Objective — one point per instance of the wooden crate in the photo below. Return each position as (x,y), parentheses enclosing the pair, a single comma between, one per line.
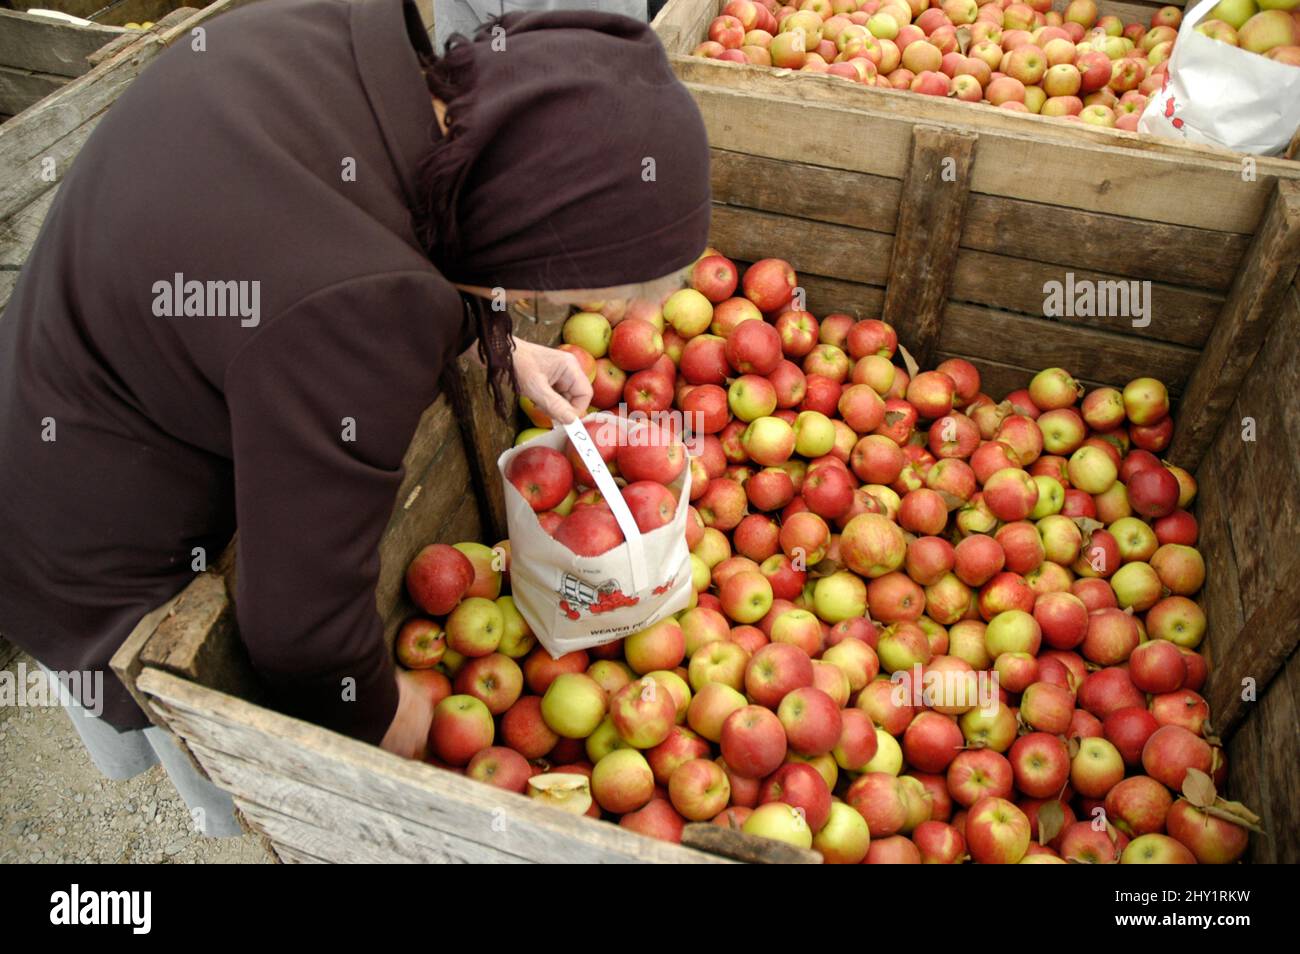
(38,54)
(828,176)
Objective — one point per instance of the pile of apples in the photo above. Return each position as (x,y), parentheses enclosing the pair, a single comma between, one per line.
(926,625)
(1019,55)
(1269,27)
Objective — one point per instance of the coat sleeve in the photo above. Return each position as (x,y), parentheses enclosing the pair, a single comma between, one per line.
(323,403)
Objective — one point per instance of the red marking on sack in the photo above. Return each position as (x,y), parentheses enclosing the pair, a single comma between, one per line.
(612,600)
(1169,112)
(665,587)
(568,610)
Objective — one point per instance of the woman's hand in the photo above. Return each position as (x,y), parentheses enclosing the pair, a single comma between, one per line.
(553,380)
(408,733)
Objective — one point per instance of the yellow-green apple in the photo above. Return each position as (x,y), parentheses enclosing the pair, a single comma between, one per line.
(839,596)
(996,831)
(1097,114)
(722,661)
(776,670)
(780,822)
(799,628)
(1268,29)
(1091,470)
(710,707)
(1096,768)
(420,644)
(1213,840)
(1145,401)
(461,727)
(1047,707)
(966,642)
(889,755)
(603,740)
(746,596)
(474,627)
(573,705)
(1134,539)
(589,331)
(1136,585)
(751,397)
(845,838)
(753,741)
(661,646)
(903,646)
(501,767)
(702,625)
(1156,849)
(992,727)
(1013,631)
(1178,620)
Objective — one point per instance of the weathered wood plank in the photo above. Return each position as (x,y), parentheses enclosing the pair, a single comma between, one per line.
(826,295)
(1268,639)
(1257,295)
(750,849)
(752,109)
(1177,315)
(837,196)
(682,24)
(930,214)
(1174,254)
(46,45)
(21,88)
(816,248)
(410,790)
(1091,355)
(435,503)
(18,232)
(1279,716)
(1221,595)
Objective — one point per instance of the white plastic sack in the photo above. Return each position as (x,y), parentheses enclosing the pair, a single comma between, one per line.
(574,602)
(1220,95)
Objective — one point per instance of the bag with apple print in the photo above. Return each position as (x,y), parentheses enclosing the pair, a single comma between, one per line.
(574,602)
(1222,95)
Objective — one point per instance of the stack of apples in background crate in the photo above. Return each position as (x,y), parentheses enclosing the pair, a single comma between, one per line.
(926,625)
(1022,56)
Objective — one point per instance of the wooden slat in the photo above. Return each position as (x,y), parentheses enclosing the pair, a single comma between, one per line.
(484,433)
(18,232)
(682,24)
(1089,240)
(814,248)
(1267,641)
(1221,595)
(837,196)
(1246,785)
(1091,355)
(1278,717)
(826,295)
(930,214)
(1177,315)
(754,109)
(21,88)
(418,793)
(46,45)
(750,849)
(1257,295)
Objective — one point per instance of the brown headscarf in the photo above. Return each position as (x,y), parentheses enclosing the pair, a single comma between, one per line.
(573,159)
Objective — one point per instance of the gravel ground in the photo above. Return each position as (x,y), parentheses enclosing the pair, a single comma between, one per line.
(56,807)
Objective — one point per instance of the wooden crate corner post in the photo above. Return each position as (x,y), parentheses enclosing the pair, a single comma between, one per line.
(930,214)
